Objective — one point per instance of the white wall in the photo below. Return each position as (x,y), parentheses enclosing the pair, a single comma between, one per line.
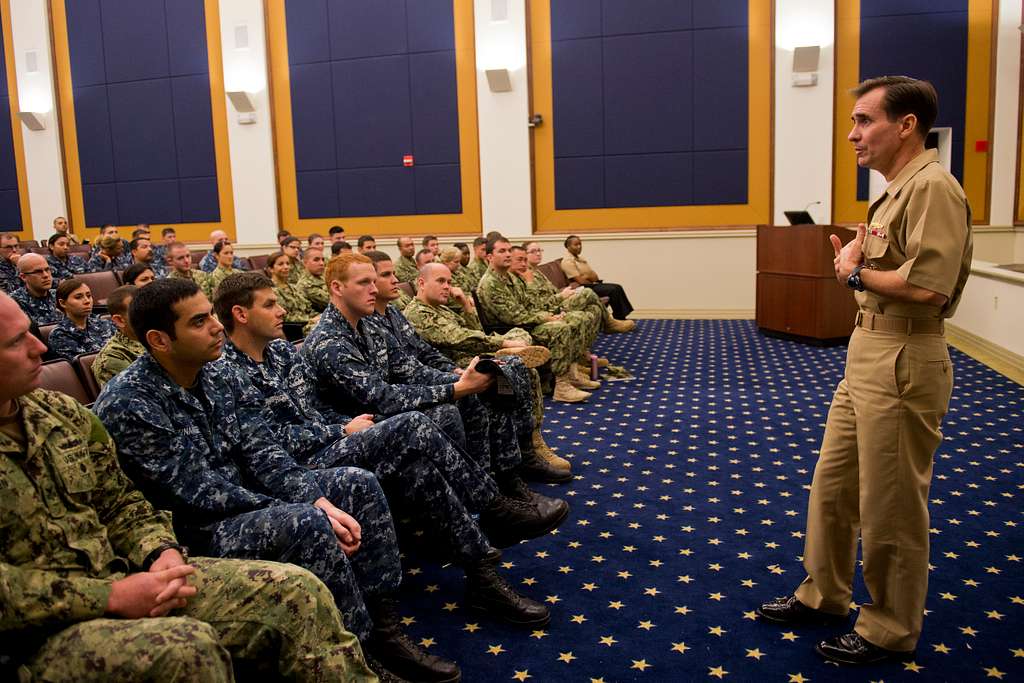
(803,115)
(44,162)
(1004,136)
(991,307)
(252,151)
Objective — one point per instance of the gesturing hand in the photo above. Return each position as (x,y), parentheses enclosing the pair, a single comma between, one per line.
(359,423)
(345,526)
(850,256)
(150,594)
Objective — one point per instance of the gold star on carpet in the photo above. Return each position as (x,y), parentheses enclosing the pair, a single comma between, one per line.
(912,666)
(413,571)
(684,610)
(1017,600)
(597,558)
(971,582)
(994,615)
(717,631)
(653,592)
(715,596)
(1018,652)
(646,625)
(943,648)
(566,657)
(755,653)
(596,680)
(578,619)
(432,588)
(748,583)
(565,569)
(1013,558)
(968,631)
(994,673)
(714,566)
(947,596)
(538,634)
(797,678)
(450,606)
(684,579)
(522,675)
(541,554)
(681,648)
(640,664)
(615,604)
(589,587)
(472,628)
(408,621)
(495,650)
(752,615)
(624,575)
(654,563)
(607,640)
(717,671)
(790,636)
(553,599)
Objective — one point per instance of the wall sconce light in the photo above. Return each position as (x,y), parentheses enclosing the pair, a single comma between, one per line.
(498,80)
(244,104)
(805,66)
(33,120)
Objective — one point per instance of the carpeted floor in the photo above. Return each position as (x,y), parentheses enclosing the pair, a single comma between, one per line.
(688,510)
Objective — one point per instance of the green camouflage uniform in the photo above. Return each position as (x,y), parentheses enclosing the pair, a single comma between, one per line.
(464,280)
(197,276)
(460,336)
(118,353)
(402,301)
(547,297)
(297,270)
(314,289)
(215,278)
(297,308)
(474,271)
(406,270)
(506,301)
(74,524)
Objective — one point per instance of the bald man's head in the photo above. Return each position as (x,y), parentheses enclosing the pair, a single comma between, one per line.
(434,285)
(20,353)
(217,236)
(30,262)
(35,273)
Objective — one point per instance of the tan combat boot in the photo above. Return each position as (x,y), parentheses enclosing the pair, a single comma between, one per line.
(614,325)
(545,453)
(532,356)
(565,392)
(581,381)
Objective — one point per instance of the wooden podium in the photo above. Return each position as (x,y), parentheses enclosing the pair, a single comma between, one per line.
(798,296)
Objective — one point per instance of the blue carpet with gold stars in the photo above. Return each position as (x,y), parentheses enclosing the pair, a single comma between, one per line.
(688,510)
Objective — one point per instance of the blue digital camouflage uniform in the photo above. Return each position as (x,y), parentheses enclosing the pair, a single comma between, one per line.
(41,310)
(350,371)
(209,263)
(119,262)
(408,453)
(9,279)
(517,423)
(65,268)
(74,524)
(207,456)
(69,342)
(158,266)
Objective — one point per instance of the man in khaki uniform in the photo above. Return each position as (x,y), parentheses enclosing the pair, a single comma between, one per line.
(909,267)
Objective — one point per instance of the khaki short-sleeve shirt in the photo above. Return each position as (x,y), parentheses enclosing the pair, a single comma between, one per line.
(921,228)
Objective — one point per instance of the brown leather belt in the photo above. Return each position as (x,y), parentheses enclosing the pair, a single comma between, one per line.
(888,323)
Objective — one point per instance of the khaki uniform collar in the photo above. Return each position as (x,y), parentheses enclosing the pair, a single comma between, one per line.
(910,170)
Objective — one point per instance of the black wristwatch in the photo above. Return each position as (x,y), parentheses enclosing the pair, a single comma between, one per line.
(854,281)
(159,550)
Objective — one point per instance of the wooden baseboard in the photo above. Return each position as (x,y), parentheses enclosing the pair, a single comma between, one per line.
(692,314)
(1001,360)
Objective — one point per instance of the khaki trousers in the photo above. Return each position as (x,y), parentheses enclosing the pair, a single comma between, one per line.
(873,477)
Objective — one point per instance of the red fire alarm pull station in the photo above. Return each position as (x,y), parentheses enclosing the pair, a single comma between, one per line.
(981,145)
(407,160)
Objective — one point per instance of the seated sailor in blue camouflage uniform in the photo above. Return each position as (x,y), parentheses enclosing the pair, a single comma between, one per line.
(521,415)
(93,582)
(349,365)
(190,433)
(37,298)
(414,461)
(64,264)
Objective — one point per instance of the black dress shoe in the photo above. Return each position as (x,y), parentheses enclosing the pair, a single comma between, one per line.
(509,520)
(486,590)
(396,652)
(789,610)
(535,469)
(850,648)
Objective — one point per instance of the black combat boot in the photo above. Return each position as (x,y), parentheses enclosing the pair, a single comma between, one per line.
(397,653)
(513,486)
(509,520)
(486,590)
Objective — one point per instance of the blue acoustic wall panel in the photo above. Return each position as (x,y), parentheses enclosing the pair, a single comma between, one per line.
(370,83)
(10,197)
(650,102)
(932,46)
(141,86)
